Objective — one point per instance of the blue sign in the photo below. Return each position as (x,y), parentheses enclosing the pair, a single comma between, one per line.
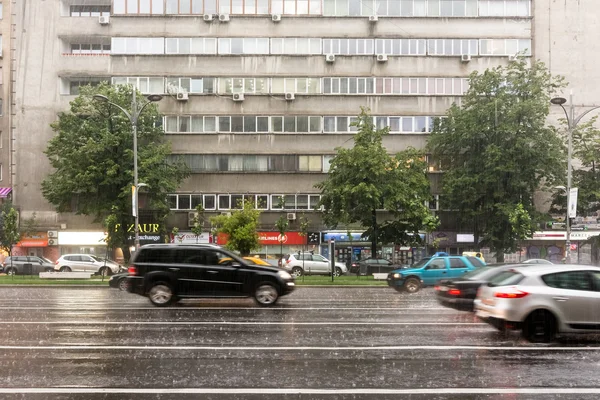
(343,237)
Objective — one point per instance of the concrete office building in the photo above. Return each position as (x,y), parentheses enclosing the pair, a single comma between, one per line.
(260,92)
(6,73)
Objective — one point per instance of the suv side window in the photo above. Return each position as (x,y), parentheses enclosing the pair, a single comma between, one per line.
(475,261)
(73,258)
(371,261)
(438,263)
(573,280)
(189,256)
(384,262)
(457,263)
(153,255)
(317,257)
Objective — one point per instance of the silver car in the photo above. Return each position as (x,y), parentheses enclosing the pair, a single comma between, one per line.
(87,263)
(299,264)
(542,300)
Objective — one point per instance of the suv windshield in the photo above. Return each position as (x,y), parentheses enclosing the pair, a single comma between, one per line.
(421,263)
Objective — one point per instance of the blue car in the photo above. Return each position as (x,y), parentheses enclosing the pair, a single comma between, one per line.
(430,270)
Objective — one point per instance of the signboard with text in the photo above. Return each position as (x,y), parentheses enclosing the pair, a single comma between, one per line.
(269,238)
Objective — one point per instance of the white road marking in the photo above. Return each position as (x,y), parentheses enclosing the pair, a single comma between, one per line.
(300,348)
(415,391)
(80,308)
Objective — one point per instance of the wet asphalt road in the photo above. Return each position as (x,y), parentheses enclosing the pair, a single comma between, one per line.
(317,343)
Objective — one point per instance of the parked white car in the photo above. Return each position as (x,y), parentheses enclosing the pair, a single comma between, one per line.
(299,264)
(542,300)
(87,263)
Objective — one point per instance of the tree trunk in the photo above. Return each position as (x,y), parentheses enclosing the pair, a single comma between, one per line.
(500,256)
(126,253)
(375,233)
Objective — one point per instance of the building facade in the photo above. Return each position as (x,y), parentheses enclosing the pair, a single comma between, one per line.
(259,93)
(6,88)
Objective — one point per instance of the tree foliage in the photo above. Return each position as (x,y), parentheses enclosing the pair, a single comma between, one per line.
(198,227)
(365,178)
(9,228)
(496,149)
(586,149)
(92,158)
(240,227)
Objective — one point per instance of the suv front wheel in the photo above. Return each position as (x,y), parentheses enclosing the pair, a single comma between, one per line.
(412,285)
(161,294)
(266,294)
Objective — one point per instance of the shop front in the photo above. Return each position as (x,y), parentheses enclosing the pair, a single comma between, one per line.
(274,245)
(191,238)
(82,242)
(38,244)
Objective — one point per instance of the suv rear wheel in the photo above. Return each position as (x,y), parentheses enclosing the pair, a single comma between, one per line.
(338,272)
(65,269)
(297,271)
(161,294)
(266,294)
(11,271)
(105,271)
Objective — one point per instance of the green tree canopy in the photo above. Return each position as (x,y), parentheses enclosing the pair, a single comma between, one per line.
(9,228)
(92,157)
(496,150)
(240,227)
(365,178)
(586,149)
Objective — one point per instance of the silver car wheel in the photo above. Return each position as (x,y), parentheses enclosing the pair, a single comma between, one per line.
(297,272)
(266,295)
(11,271)
(338,272)
(160,294)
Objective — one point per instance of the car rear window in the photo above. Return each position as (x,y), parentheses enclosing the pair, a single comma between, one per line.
(475,261)
(506,278)
(154,256)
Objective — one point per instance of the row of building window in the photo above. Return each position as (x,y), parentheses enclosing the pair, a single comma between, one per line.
(333,85)
(275,202)
(253,163)
(392,8)
(315,46)
(89,48)
(176,124)
(225,202)
(89,11)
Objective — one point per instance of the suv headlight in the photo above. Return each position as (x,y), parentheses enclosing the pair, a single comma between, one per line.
(284,275)
(397,275)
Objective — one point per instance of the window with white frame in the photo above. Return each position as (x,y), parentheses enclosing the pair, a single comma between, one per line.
(190,124)
(296,46)
(504,8)
(89,11)
(227,201)
(75,83)
(401,47)
(189,7)
(145,84)
(244,85)
(310,163)
(251,7)
(396,86)
(239,46)
(295,124)
(138,7)
(135,45)
(210,163)
(296,7)
(1,10)
(452,47)
(190,85)
(195,45)
(296,85)
(452,8)
(504,47)
(401,8)
(90,48)
(348,46)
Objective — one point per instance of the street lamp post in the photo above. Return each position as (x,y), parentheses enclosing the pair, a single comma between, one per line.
(572,122)
(133,119)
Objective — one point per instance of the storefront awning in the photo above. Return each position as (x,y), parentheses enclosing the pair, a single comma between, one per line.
(5,191)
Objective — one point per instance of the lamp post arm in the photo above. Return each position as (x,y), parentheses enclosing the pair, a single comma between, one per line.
(139,112)
(566,116)
(120,108)
(584,114)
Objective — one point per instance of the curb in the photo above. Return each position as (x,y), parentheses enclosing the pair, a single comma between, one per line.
(108,287)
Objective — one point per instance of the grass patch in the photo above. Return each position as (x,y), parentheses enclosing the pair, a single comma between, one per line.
(36,280)
(352,280)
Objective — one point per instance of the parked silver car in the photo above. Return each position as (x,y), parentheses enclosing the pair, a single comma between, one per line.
(299,264)
(16,265)
(542,300)
(87,263)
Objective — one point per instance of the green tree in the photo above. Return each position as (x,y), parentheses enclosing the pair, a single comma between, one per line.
(9,230)
(365,179)
(282,224)
(496,150)
(92,157)
(240,227)
(586,148)
(198,221)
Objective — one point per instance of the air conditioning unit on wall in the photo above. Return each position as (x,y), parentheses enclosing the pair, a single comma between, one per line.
(382,57)
(290,96)
(291,216)
(224,17)
(208,17)
(238,97)
(182,96)
(104,20)
(52,242)
(465,58)
(276,17)
(192,215)
(53,234)
(330,58)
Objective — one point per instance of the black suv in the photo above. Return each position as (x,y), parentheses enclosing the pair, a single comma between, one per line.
(16,265)
(169,272)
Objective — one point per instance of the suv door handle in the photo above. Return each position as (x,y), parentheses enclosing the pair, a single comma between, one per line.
(557,298)
(174,269)
(212,272)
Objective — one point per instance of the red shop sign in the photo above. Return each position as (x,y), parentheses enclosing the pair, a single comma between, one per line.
(266,238)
